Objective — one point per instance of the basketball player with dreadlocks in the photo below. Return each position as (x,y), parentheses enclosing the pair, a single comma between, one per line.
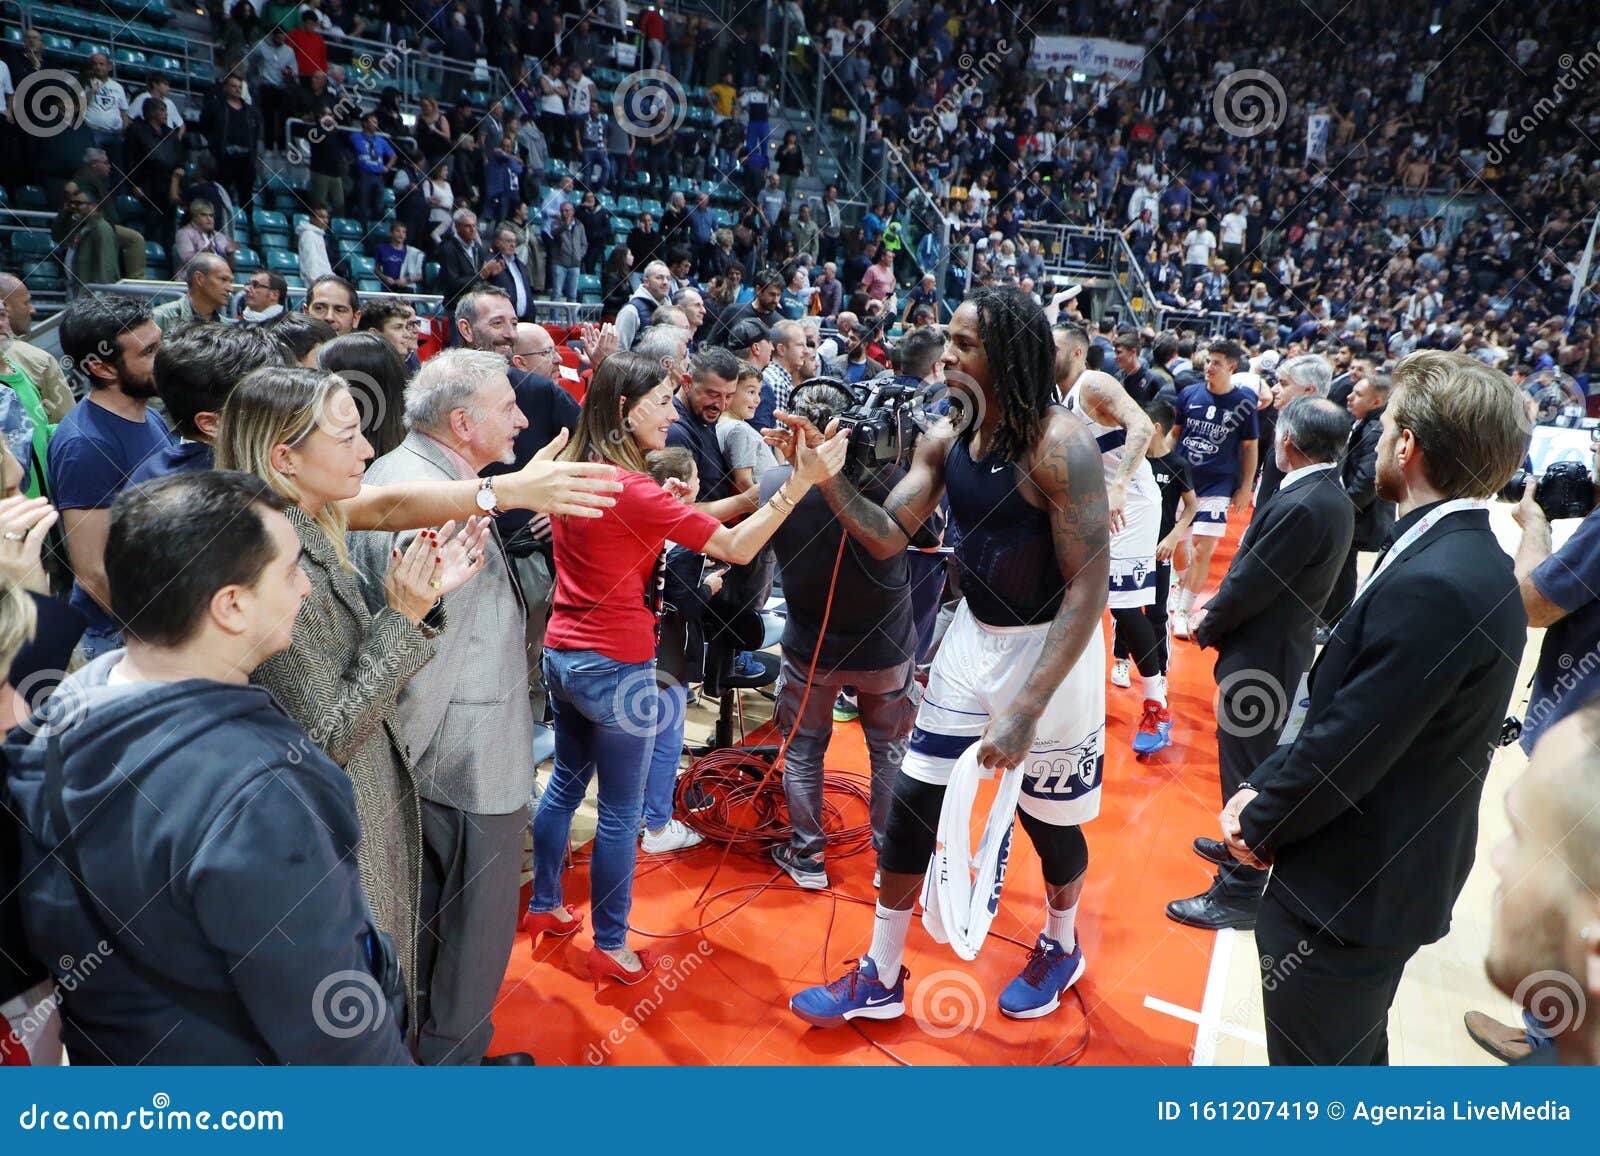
(1021,671)
(1122,431)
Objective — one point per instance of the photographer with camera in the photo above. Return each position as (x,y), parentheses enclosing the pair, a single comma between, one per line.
(869,644)
(1558,591)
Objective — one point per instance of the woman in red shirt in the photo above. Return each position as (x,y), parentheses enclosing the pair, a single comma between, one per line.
(599,657)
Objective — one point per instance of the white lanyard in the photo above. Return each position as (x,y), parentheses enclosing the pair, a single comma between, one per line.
(1301,706)
(1409,538)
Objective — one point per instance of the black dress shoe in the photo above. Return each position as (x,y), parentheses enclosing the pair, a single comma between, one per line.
(510,1060)
(1213,911)
(1212,851)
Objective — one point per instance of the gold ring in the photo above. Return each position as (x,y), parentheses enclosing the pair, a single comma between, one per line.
(437,585)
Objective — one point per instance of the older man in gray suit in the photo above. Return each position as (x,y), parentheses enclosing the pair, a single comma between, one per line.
(466,716)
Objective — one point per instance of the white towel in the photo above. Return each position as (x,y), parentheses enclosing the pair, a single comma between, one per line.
(962,890)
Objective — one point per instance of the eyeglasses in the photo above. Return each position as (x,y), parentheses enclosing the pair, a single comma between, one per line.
(551,352)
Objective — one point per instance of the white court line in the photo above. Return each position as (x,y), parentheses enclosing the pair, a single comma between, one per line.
(1209,1025)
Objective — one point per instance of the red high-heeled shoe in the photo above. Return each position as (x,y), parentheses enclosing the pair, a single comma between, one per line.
(602,966)
(538,923)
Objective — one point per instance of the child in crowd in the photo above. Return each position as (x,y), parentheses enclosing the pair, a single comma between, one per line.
(680,652)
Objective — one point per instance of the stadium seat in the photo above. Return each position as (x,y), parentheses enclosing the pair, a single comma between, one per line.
(282,261)
(128,207)
(364,267)
(369,285)
(32,197)
(349,249)
(588,283)
(266,241)
(430,272)
(155,253)
(266,220)
(629,205)
(294,281)
(130,62)
(246,259)
(31,244)
(348,229)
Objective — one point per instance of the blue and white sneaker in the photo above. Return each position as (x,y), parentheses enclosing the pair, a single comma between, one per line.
(1050,970)
(855,995)
(1155,729)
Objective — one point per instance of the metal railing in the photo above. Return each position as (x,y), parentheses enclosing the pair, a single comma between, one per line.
(193,77)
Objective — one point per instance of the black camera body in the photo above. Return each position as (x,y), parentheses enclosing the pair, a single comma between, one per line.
(882,425)
(1564,491)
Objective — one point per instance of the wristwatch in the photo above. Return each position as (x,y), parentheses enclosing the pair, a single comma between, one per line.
(487,501)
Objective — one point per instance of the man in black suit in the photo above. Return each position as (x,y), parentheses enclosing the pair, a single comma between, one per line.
(1261,622)
(1344,355)
(463,259)
(1359,474)
(514,277)
(1368,809)
(1304,376)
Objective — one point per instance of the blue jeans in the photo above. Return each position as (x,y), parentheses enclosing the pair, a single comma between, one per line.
(597,704)
(663,777)
(566,283)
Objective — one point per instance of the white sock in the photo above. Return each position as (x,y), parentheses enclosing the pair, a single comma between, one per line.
(889,930)
(1058,925)
(1155,687)
(1185,600)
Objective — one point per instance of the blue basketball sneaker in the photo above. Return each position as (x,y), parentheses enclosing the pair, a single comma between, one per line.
(1050,970)
(855,995)
(1155,729)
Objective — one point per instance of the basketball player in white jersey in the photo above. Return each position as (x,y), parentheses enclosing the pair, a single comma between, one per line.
(1123,431)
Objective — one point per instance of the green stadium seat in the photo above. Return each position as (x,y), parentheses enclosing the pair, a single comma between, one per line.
(282,261)
(266,241)
(369,285)
(266,220)
(588,283)
(32,197)
(364,267)
(347,229)
(31,244)
(128,207)
(155,253)
(246,259)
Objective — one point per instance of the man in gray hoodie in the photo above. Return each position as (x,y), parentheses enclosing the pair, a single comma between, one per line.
(180,829)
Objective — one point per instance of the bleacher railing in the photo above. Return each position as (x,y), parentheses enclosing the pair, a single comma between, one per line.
(136,49)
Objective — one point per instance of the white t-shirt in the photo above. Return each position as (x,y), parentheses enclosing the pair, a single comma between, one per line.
(836,38)
(6,88)
(1198,247)
(1497,122)
(580,97)
(1233,226)
(136,109)
(864,28)
(107,102)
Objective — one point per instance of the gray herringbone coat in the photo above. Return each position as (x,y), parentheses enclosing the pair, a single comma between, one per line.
(339,680)
(465,715)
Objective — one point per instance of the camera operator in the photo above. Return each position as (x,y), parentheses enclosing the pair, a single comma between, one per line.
(870,644)
(1558,591)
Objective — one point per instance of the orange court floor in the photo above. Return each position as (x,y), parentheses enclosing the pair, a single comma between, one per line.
(729,964)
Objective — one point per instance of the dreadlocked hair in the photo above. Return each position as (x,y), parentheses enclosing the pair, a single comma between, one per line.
(1022,358)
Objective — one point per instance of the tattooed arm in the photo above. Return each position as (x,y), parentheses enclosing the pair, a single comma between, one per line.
(887,529)
(1066,470)
(1109,404)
